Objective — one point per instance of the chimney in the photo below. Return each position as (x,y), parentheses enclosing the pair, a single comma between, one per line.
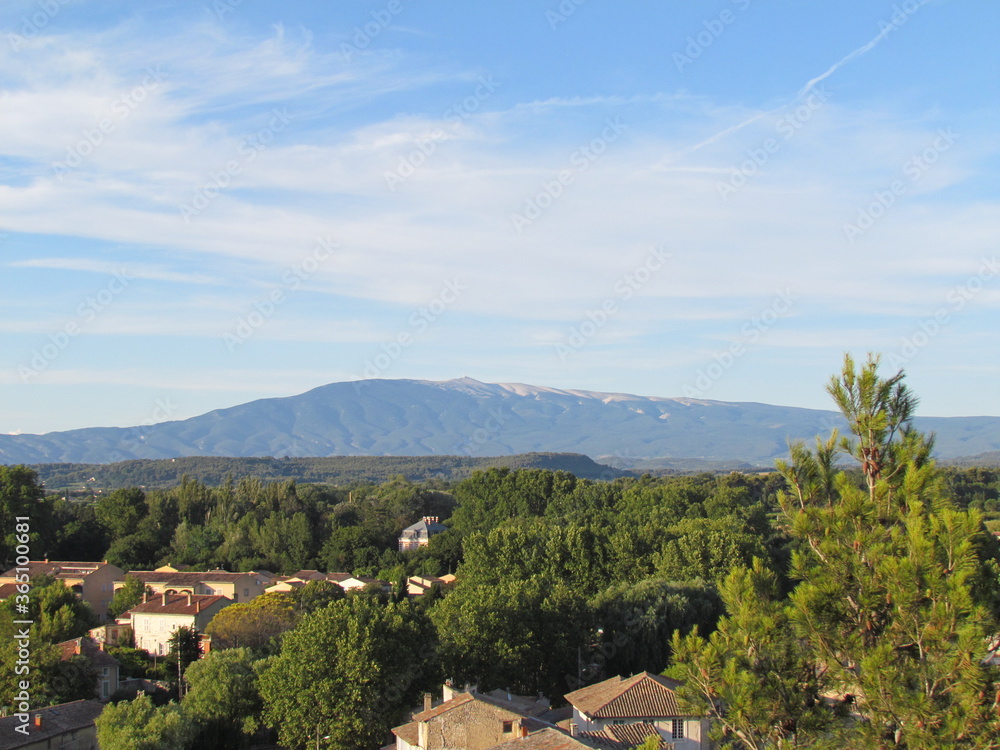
(78,645)
(164,598)
(145,596)
(197,605)
(38,721)
(189,598)
(428,702)
(573,729)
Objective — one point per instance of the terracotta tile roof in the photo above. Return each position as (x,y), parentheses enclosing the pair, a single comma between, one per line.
(87,647)
(58,568)
(177,604)
(309,575)
(545,739)
(408,733)
(643,696)
(7,590)
(187,577)
(56,720)
(624,736)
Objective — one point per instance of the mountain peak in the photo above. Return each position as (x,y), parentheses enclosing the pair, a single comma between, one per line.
(467,417)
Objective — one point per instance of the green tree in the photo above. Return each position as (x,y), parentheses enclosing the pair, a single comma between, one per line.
(255,623)
(128,596)
(897,589)
(637,622)
(22,495)
(526,635)
(752,677)
(185,648)
(348,671)
(139,725)
(224,698)
(316,595)
(121,511)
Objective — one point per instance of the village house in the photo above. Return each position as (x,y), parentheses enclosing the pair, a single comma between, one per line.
(105,665)
(626,708)
(68,725)
(304,577)
(239,587)
(157,617)
(419,534)
(420,585)
(473,721)
(92,581)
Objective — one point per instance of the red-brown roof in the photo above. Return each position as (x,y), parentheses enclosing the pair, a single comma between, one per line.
(57,568)
(640,697)
(7,590)
(177,604)
(544,739)
(624,736)
(56,720)
(87,647)
(187,577)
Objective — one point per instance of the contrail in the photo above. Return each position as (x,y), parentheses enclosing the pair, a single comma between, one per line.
(889,28)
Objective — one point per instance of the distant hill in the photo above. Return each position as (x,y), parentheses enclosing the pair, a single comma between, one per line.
(465,417)
(340,470)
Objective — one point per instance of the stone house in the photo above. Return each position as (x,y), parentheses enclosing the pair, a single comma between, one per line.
(471,721)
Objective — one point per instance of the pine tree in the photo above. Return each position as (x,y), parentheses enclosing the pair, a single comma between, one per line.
(897,589)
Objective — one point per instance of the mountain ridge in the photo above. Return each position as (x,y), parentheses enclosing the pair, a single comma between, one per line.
(464,416)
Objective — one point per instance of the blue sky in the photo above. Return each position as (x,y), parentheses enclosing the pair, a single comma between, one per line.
(202,204)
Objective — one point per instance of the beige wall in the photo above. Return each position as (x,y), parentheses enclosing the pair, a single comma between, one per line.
(472,726)
(152,631)
(695,730)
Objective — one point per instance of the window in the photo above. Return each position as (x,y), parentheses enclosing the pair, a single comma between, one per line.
(246,592)
(677,729)
(508,727)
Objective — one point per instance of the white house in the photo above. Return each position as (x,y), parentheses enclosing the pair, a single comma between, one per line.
(646,699)
(158,617)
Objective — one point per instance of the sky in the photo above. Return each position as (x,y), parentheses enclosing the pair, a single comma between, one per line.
(203,204)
